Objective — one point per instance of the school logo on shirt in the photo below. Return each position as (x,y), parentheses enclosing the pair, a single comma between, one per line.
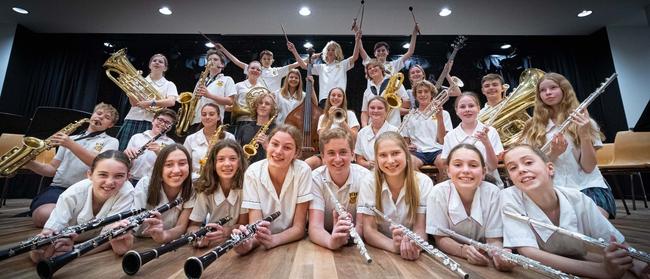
(99,146)
(219,83)
(389,68)
(353,197)
(274,72)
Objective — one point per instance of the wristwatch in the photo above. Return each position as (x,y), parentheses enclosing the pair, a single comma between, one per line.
(153,103)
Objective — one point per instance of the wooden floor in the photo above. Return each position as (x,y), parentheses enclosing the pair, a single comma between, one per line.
(297,260)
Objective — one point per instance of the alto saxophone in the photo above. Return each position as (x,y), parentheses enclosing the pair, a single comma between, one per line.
(390,93)
(220,133)
(250,149)
(189,101)
(31,147)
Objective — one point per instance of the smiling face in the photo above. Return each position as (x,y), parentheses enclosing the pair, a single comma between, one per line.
(281,151)
(550,93)
(423,96)
(226,164)
(158,64)
(465,168)
(161,123)
(265,105)
(254,70)
(492,89)
(374,71)
(267,60)
(293,79)
(391,157)
(381,53)
(108,177)
(415,74)
(527,170)
(377,111)
(336,97)
(467,108)
(176,168)
(337,156)
(215,62)
(209,117)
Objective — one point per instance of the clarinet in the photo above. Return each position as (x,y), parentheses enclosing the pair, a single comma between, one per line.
(424,245)
(47,268)
(133,260)
(525,262)
(36,242)
(353,231)
(634,253)
(144,146)
(194,266)
(580,107)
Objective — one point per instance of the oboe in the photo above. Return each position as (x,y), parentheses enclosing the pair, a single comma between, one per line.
(353,231)
(133,260)
(634,253)
(525,262)
(36,242)
(156,137)
(194,266)
(424,245)
(47,268)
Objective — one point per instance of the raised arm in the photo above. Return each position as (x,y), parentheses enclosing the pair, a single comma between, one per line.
(296,55)
(232,58)
(355,53)
(411,49)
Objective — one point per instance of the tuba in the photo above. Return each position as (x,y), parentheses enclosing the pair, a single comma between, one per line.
(250,149)
(18,156)
(239,110)
(130,80)
(390,93)
(511,119)
(189,101)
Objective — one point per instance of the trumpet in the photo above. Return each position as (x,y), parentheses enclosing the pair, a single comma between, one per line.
(339,116)
(189,101)
(250,149)
(390,93)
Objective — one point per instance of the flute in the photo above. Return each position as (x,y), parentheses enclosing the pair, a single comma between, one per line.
(194,266)
(134,260)
(353,231)
(36,242)
(47,268)
(525,262)
(424,245)
(634,253)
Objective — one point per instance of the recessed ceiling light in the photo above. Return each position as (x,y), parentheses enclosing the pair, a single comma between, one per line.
(165,11)
(406,45)
(20,10)
(505,46)
(584,13)
(304,11)
(444,12)
(107,44)
(209,44)
(308,45)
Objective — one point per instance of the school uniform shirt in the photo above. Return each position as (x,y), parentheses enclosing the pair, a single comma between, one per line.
(260,194)
(445,210)
(457,136)
(422,130)
(485,108)
(169,217)
(143,165)
(222,86)
(242,89)
(397,211)
(285,106)
(578,213)
(75,205)
(197,144)
(165,89)
(72,169)
(271,77)
(365,145)
(212,207)
(392,67)
(351,120)
(346,195)
(331,75)
(394,114)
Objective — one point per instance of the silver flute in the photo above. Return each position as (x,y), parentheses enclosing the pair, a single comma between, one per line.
(424,245)
(525,262)
(634,253)
(353,231)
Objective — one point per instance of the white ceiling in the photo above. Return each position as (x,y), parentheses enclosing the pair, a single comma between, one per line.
(329,17)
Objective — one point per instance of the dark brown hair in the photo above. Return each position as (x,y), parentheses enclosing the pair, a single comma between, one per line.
(156,181)
(209,180)
(111,154)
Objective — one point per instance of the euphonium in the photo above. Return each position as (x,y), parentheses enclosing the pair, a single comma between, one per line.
(511,119)
(250,149)
(189,101)
(218,134)
(244,109)
(390,93)
(130,80)
(18,156)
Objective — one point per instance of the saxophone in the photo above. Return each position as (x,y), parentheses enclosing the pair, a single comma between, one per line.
(394,83)
(189,101)
(31,147)
(218,134)
(250,149)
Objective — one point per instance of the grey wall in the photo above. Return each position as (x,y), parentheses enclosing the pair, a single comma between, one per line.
(7,31)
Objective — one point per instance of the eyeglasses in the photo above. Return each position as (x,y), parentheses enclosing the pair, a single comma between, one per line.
(164,121)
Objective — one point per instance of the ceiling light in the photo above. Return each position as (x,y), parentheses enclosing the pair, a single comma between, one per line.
(304,11)
(308,45)
(165,11)
(505,46)
(584,13)
(406,45)
(107,44)
(445,12)
(20,10)
(209,44)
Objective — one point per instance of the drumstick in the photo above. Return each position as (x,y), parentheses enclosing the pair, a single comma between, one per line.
(206,37)
(414,21)
(285,32)
(363,8)
(354,21)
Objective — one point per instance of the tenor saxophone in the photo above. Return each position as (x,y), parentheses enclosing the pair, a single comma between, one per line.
(220,133)
(250,149)
(189,101)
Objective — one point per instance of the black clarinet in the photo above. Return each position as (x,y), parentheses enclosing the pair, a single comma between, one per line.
(47,268)
(36,242)
(144,146)
(134,260)
(194,266)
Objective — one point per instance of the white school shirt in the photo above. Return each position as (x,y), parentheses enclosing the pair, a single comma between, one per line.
(346,195)
(165,89)
(394,114)
(568,172)
(485,108)
(197,144)
(210,208)
(457,135)
(259,192)
(445,210)
(72,169)
(365,145)
(331,75)
(351,119)
(285,106)
(398,212)
(169,217)
(392,67)
(143,165)
(75,205)
(422,131)
(271,77)
(222,86)
(578,213)
(242,88)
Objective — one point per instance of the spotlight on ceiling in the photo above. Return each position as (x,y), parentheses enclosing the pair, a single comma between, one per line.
(444,12)
(584,13)
(406,45)
(165,11)
(304,11)
(107,44)
(506,46)
(308,45)
(209,44)
(20,10)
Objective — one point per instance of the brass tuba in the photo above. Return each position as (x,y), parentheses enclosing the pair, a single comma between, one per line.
(130,80)
(239,110)
(18,156)
(511,119)
(390,93)
(189,101)
(250,149)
